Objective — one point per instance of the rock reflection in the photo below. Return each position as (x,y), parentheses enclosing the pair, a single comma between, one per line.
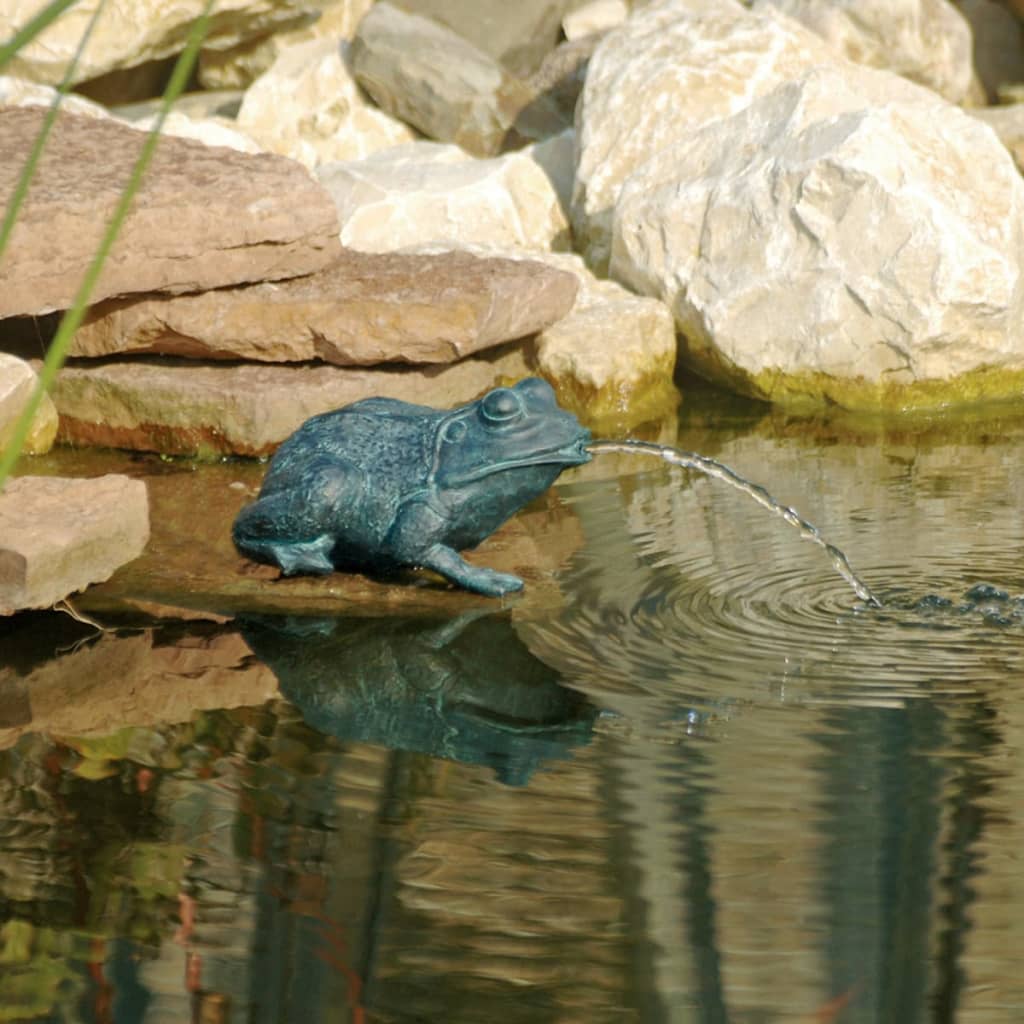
(466,689)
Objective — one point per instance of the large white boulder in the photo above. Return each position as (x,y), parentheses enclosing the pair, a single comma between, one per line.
(672,67)
(927,41)
(849,237)
(431,192)
(309,107)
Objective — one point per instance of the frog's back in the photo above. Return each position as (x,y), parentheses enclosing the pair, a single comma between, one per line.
(390,442)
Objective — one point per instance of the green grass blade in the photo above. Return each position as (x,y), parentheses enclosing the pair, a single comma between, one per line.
(57,352)
(29,170)
(47,16)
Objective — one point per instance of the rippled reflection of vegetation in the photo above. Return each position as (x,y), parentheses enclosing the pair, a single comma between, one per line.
(704,783)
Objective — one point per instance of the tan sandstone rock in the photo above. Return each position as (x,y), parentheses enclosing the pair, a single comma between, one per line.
(204,217)
(208,409)
(429,192)
(135,678)
(308,106)
(240,66)
(848,238)
(58,535)
(669,69)
(611,357)
(363,309)
(17,382)
(128,34)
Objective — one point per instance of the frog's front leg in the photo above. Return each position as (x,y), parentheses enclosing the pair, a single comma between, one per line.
(415,540)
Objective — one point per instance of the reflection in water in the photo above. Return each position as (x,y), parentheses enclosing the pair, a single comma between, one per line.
(739,796)
(468,689)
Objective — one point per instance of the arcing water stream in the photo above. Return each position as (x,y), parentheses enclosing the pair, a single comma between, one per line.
(691,460)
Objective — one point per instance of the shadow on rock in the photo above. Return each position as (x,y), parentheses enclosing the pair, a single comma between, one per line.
(465,689)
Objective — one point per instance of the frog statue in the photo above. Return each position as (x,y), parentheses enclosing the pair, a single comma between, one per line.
(382,484)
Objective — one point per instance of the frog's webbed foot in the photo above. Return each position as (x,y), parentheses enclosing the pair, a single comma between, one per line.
(293,529)
(306,556)
(451,565)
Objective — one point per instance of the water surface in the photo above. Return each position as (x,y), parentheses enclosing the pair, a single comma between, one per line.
(698,781)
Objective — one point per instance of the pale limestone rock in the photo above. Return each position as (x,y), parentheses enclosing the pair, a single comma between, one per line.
(249,408)
(927,41)
(517,35)
(212,131)
(221,104)
(560,77)
(20,92)
(59,535)
(556,157)
(17,383)
(849,237)
(308,107)
(240,66)
(364,309)
(127,34)
(430,192)
(596,16)
(670,68)
(203,218)
(612,357)
(436,81)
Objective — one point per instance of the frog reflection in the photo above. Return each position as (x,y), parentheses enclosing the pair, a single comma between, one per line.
(466,690)
(382,484)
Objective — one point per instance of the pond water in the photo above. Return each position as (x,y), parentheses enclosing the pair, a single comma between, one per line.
(699,781)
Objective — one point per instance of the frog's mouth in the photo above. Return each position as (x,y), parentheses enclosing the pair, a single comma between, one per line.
(575,453)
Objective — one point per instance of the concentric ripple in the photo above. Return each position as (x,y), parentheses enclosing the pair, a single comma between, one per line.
(710,601)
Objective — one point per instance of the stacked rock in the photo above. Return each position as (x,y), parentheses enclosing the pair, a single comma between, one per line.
(799,201)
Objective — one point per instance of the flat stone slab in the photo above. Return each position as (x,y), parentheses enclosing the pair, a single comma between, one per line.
(365,308)
(191,408)
(204,217)
(58,535)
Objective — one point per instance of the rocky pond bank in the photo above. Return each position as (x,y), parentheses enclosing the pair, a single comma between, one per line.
(424,200)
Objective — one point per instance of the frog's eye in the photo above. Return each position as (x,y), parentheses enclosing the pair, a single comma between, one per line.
(454,432)
(501,406)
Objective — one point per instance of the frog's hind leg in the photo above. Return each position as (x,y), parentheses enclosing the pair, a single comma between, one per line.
(295,528)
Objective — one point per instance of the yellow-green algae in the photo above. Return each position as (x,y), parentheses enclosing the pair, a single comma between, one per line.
(815,389)
(983,385)
(617,409)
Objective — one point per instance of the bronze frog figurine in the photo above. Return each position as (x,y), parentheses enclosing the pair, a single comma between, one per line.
(383,484)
